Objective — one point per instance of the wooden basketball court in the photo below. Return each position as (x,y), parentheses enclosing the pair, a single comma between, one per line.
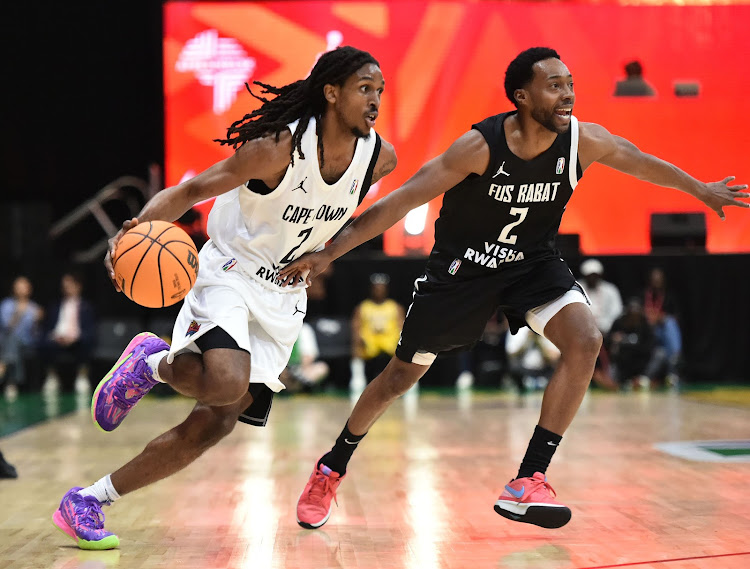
(419,494)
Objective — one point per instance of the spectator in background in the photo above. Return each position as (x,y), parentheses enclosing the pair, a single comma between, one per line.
(19,334)
(531,359)
(376,328)
(634,85)
(606,306)
(661,310)
(304,368)
(320,302)
(69,341)
(631,342)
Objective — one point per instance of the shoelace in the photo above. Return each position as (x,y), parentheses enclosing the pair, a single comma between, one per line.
(320,488)
(132,380)
(535,483)
(90,512)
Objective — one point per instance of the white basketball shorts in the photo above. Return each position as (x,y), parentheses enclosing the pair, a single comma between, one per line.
(262,321)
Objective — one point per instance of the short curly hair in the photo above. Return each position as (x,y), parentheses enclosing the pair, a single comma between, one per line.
(520,72)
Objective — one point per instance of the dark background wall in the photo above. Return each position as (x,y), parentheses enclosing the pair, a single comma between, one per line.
(82,105)
(82,97)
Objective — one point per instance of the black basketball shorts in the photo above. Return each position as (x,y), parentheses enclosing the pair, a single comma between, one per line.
(448,314)
(257,413)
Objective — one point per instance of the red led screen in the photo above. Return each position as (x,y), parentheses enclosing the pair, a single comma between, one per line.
(444,64)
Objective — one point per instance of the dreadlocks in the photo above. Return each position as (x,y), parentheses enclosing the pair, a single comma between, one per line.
(301,100)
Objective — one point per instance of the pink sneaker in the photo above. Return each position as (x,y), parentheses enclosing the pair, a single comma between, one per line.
(81,518)
(314,505)
(531,500)
(126,383)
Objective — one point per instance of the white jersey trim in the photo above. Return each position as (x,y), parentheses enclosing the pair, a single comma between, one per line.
(573,162)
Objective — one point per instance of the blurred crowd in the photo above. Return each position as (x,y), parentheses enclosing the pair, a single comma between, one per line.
(50,348)
(46,347)
(641,349)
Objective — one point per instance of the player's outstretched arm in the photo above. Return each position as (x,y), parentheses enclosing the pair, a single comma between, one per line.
(469,154)
(599,145)
(262,159)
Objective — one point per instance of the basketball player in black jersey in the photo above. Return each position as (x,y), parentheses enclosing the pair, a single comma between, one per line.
(506,183)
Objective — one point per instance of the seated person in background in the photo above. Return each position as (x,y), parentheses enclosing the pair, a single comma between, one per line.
(304,369)
(19,333)
(376,328)
(634,85)
(660,308)
(7,470)
(531,359)
(606,306)
(632,346)
(320,300)
(69,341)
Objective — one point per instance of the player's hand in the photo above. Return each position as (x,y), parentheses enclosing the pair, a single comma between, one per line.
(307,267)
(720,194)
(127,225)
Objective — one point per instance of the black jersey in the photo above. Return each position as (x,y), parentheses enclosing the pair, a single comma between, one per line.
(510,214)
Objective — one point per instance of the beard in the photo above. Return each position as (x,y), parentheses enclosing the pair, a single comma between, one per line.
(547,120)
(359,133)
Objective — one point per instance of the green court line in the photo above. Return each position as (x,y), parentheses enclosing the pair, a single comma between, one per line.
(729,451)
(33,408)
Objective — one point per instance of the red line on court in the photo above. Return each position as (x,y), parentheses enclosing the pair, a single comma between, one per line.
(666,560)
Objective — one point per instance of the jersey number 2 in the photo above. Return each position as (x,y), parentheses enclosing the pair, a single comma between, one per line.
(305,233)
(505,236)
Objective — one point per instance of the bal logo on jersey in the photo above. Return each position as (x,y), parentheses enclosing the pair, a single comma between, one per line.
(560,165)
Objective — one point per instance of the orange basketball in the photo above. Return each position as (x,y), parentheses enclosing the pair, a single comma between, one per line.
(156,264)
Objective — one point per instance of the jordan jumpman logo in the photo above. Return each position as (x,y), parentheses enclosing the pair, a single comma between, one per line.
(501,171)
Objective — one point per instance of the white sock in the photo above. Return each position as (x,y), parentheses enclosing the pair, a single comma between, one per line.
(102,490)
(153,362)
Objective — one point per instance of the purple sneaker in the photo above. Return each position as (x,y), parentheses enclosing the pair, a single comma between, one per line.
(81,518)
(126,383)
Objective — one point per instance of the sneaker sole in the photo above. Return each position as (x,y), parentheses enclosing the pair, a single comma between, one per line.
(109,542)
(124,356)
(307,525)
(550,517)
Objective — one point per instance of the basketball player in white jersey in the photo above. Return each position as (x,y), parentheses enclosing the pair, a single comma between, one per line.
(506,183)
(304,160)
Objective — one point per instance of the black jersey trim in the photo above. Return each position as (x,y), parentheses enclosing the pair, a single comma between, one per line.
(491,132)
(370,170)
(258,187)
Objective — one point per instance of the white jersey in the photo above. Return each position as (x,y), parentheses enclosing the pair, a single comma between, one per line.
(266,230)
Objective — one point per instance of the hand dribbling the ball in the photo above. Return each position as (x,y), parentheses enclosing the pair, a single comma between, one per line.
(127,225)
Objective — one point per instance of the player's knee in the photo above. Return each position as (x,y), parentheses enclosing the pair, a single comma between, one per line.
(398,381)
(224,388)
(587,344)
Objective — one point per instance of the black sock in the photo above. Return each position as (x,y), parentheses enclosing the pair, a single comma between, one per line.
(338,457)
(542,446)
